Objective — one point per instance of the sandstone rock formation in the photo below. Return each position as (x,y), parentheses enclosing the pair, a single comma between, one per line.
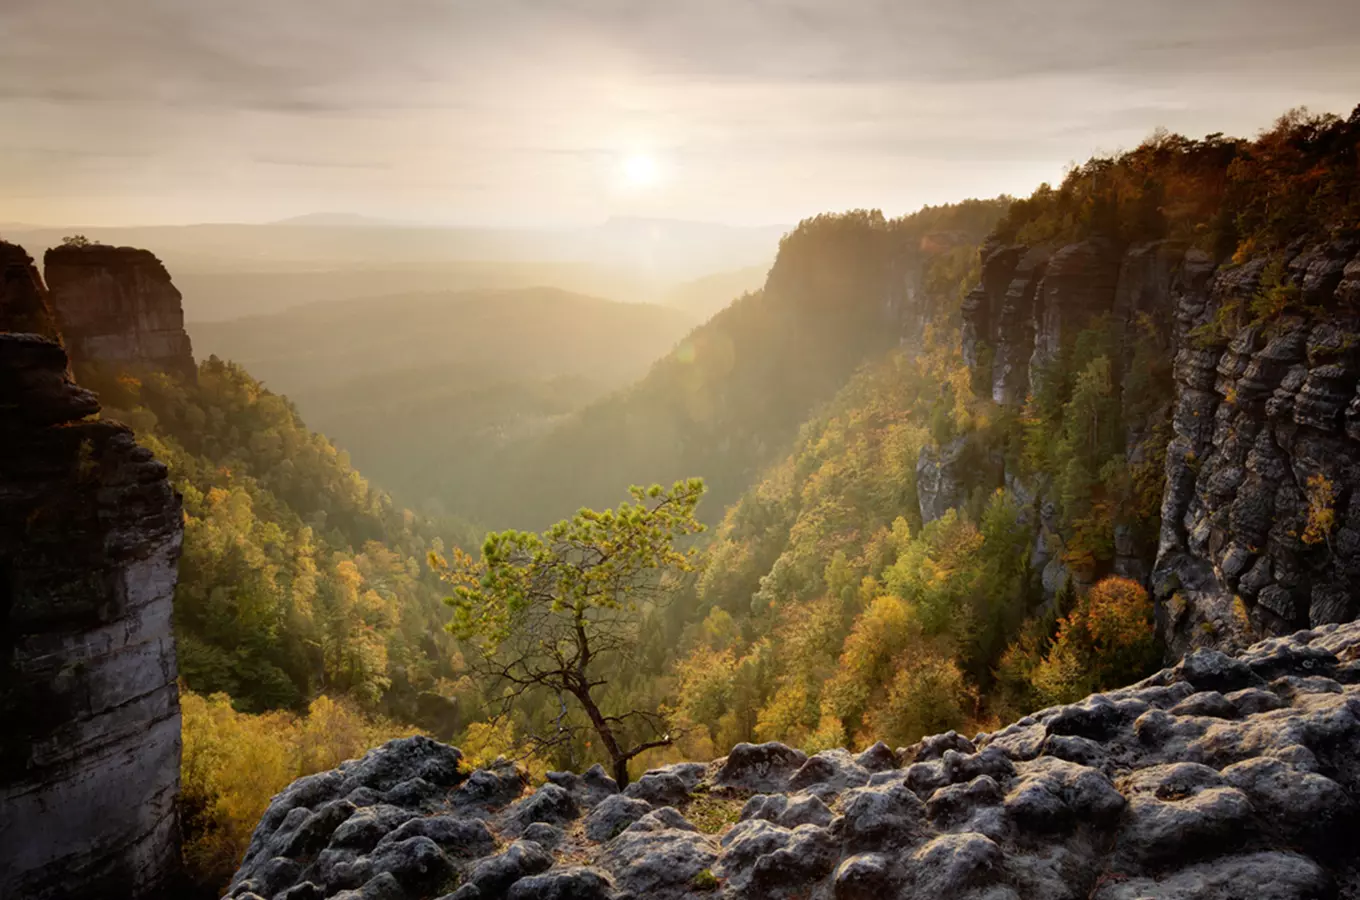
(1222,778)
(1265,448)
(117,307)
(24,305)
(90,535)
(1264,422)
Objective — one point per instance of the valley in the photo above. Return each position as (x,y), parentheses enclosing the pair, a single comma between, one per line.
(925,476)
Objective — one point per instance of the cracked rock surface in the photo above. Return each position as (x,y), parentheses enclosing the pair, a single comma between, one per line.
(1220,778)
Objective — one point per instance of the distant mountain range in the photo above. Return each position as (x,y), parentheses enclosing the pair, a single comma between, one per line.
(231,270)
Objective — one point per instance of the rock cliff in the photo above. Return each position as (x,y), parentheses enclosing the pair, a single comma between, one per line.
(1260,423)
(1221,778)
(90,535)
(117,307)
(24,304)
(1261,519)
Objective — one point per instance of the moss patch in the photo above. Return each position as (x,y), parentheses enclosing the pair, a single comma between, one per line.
(714,811)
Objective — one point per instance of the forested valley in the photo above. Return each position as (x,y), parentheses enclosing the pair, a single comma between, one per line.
(881,543)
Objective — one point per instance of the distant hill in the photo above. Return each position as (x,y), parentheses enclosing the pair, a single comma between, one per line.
(337,220)
(706,296)
(423,389)
(733,393)
(229,292)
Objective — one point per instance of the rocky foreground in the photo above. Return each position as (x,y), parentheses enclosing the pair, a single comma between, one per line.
(1222,778)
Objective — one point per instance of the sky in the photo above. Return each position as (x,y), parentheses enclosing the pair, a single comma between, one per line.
(546,112)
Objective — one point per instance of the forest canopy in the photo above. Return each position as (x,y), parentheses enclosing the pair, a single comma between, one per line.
(1299,180)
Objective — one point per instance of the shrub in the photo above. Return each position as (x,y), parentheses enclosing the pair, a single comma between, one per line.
(1321,509)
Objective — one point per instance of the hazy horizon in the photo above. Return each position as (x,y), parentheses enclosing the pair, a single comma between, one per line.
(529,113)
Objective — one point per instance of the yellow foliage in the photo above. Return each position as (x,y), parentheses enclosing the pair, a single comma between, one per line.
(1177,607)
(880,635)
(789,716)
(829,735)
(485,742)
(928,695)
(1321,509)
(234,763)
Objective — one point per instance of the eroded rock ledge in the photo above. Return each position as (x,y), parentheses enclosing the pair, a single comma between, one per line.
(117,307)
(90,535)
(1221,778)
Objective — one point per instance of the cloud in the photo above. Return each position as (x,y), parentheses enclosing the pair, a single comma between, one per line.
(400,100)
(310,55)
(309,163)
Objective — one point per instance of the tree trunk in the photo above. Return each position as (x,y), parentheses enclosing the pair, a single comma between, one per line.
(611,744)
(621,772)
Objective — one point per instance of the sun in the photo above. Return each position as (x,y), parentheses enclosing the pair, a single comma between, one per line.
(640,170)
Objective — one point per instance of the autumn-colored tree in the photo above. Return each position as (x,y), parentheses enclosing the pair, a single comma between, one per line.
(1108,639)
(927,695)
(871,656)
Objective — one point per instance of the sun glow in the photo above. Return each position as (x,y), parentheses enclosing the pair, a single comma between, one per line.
(640,170)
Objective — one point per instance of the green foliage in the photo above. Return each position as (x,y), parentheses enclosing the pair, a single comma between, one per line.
(556,612)
(927,696)
(593,562)
(1073,430)
(296,576)
(705,880)
(862,619)
(1275,295)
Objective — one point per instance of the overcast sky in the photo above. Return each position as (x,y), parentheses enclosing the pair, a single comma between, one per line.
(561,111)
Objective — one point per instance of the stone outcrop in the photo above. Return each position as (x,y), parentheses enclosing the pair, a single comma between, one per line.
(1261,520)
(24,304)
(1220,778)
(941,482)
(1260,424)
(90,535)
(117,307)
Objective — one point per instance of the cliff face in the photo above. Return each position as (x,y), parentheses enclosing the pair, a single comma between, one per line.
(90,535)
(24,304)
(1261,475)
(117,307)
(1260,531)
(1219,779)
